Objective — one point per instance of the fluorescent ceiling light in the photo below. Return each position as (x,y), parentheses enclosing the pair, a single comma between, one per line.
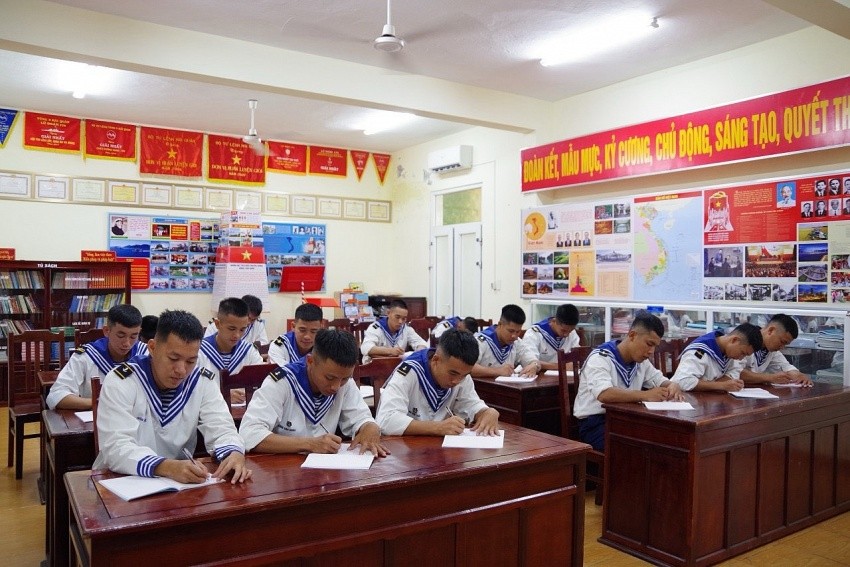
(82,79)
(602,35)
(382,120)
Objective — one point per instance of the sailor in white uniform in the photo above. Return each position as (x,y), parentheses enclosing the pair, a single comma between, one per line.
(462,323)
(499,350)
(390,335)
(297,343)
(72,389)
(769,365)
(432,393)
(618,371)
(256,331)
(151,408)
(544,339)
(708,363)
(299,406)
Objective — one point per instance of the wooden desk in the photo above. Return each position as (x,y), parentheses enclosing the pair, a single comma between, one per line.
(533,405)
(69,447)
(523,504)
(698,487)
(46,378)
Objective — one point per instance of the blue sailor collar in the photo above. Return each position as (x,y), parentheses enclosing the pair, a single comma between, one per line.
(708,344)
(141,366)
(237,355)
(98,352)
(549,334)
(499,351)
(314,406)
(419,363)
(391,337)
(626,371)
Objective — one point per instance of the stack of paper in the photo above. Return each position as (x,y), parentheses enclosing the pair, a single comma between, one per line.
(669,406)
(131,487)
(342,460)
(515,379)
(754,393)
(831,339)
(85,416)
(471,440)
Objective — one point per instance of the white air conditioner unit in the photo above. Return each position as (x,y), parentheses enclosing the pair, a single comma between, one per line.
(454,158)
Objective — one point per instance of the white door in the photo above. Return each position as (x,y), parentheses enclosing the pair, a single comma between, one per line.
(456,270)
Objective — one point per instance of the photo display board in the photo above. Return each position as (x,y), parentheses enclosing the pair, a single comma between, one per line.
(782,240)
(291,245)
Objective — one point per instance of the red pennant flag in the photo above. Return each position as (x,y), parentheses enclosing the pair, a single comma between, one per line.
(288,158)
(359,160)
(382,163)
(110,140)
(234,161)
(52,133)
(171,152)
(328,161)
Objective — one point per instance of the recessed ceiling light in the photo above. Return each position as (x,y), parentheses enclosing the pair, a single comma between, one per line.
(602,35)
(382,120)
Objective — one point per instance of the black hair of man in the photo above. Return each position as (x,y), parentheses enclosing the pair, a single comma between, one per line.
(567,314)
(180,323)
(148,328)
(646,321)
(751,334)
(462,345)
(397,303)
(787,323)
(125,315)
(232,306)
(308,312)
(470,324)
(338,346)
(513,314)
(255,304)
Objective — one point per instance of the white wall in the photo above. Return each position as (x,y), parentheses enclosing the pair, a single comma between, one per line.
(809,56)
(356,251)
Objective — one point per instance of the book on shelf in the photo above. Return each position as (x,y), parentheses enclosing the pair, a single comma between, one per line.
(95,303)
(17,304)
(14,327)
(94,278)
(21,279)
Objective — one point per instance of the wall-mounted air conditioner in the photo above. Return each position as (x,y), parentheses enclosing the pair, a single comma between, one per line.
(454,158)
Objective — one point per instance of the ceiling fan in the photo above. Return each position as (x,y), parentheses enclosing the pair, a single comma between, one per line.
(252,138)
(388,41)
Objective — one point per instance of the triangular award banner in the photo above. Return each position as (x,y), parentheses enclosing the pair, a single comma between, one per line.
(359,159)
(7,120)
(382,163)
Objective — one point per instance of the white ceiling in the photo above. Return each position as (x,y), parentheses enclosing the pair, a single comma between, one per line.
(489,45)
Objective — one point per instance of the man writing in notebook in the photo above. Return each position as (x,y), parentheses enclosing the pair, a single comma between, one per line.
(151,409)
(299,406)
(72,389)
(544,339)
(498,348)
(297,343)
(226,349)
(708,362)
(432,393)
(768,365)
(620,371)
(390,335)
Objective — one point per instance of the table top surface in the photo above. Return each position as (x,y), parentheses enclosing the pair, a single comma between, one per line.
(64,422)
(279,480)
(47,377)
(710,408)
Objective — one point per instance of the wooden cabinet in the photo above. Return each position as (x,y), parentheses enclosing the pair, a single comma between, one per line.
(41,295)
(417,307)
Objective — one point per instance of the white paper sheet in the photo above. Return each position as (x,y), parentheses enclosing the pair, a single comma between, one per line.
(131,487)
(516,379)
(470,440)
(789,385)
(669,406)
(554,373)
(85,416)
(367,391)
(754,393)
(342,460)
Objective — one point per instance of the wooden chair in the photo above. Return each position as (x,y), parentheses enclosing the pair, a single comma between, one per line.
(341,324)
(423,327)
(666,356)
(250,378)
(378,371)
(29,353)
(263,349)
(85,337)
(567,390)
(484,323)
(95,398)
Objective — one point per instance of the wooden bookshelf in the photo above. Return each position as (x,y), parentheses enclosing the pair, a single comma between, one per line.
(41,295)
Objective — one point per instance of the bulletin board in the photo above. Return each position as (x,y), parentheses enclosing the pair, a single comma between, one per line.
(290,245)
(779,240)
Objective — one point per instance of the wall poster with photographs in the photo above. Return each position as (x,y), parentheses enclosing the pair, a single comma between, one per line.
(290,245)
(779,240)
(169,254)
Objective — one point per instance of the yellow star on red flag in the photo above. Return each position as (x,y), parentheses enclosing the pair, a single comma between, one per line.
(246,255)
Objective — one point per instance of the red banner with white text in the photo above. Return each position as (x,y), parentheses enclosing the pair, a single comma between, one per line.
(171,152)
(359,159)
(51,133)
(382,163)
(234,161)
(110,140)
(287,158)
(804,119)
(328,161)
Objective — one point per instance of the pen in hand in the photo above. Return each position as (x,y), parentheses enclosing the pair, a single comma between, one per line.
(191,458)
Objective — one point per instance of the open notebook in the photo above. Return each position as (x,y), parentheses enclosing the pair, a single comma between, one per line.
(131,487)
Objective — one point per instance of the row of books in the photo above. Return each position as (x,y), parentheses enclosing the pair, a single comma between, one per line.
(21,279)
(16,304)
(13,327)
(831,339)
(95,303)
(94,278)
